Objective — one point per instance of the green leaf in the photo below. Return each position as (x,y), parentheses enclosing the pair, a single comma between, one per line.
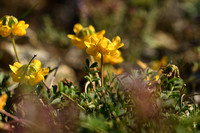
(96,79)
(61,86)
(109,75)
(100,89)
(93,72)
(56,101)
(73,94)
(29,11)
(88,78)
(95,64)
(68,91)
(54,89)
(87,69)
(87,63)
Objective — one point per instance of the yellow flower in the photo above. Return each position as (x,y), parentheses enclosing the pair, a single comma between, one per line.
(30,74)
(5,30)
(20,28)
(96,46)
(82,34)
(155,65)
(151,72)
(116,44)
(116,60)
(111,69)
(142,64)
(103,46)
(3,99)
(10,25)
(111,59)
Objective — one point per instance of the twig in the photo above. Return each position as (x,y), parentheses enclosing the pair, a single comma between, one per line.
(73,101)
(15,118)
(55,74)
(45,85)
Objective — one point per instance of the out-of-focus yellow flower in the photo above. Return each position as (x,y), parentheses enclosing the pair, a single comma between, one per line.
(155,65)
(151,73)
(10,25)
(141,64)
(82,34)
(103,46)
(116,60)
(3,99)
(111,69)
(30,74)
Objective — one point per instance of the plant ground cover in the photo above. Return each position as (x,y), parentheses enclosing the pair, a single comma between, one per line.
(158,96)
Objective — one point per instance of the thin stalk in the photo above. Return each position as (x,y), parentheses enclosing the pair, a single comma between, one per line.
(81,107)
(55,74)
(97,74)
(13,43)
(45,85)
(101,70)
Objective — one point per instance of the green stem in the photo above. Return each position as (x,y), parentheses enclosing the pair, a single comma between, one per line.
(97,74)
(13,43)
(101,70)
(81,107)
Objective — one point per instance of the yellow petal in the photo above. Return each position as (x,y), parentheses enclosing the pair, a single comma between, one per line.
(100,34)
(35,80)
(37,64)
(117,42)
(16,77)
(141,64)
(71,36)
(20,28)
(102,46)
(164,61)
(91,28)
(77,28)
(92,50)
(115,53)
(17,64)
(5,30)
(15,67)
(116,60)
(78,43)
(116,39)
(3,100)
(43,71)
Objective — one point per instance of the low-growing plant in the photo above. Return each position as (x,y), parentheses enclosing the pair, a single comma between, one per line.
(143,101)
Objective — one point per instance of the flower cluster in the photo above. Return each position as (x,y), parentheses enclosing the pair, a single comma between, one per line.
(96,44)
(9,25)
(30,74)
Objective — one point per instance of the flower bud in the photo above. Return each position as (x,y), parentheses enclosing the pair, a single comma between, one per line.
(9,20)
(86,31)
